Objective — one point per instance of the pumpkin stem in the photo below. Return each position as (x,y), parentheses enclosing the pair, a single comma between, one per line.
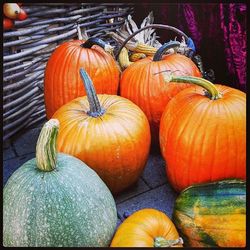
(97,41)
(162,242)
(212,92)
(95,108)
(159,53)
(46,153)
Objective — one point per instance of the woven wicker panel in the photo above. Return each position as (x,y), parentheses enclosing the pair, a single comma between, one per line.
(28,46)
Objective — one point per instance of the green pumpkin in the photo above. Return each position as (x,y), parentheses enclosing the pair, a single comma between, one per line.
(212,214)
(55,200)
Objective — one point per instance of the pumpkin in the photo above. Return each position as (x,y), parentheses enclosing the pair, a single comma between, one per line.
(203,133)
(142,83)
(107,132)
(62,82)
(212,214)
(55,200)
(147,228)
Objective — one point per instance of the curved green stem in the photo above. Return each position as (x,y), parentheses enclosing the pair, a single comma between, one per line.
(213,92)
(162,242)
(46,153)
(95,108)
(159,53)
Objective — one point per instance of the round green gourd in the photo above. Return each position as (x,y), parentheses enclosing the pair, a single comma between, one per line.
(55,200)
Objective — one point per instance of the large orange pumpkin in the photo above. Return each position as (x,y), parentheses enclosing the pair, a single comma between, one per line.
(107,132)
(142,83)
(147,228)
(203,134)
(62,82)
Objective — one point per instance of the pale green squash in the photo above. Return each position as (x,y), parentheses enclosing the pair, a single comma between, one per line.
(55,200)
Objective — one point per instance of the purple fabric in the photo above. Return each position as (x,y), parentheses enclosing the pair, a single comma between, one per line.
(235,39)
(217,29)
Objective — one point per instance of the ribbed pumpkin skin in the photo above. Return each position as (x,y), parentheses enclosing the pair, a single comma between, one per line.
(212,214)
(204,140)
(143,84)
(142,227)
(62,82)
(116,144)
(68,207)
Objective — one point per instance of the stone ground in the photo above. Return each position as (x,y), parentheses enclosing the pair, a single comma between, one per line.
(151,191)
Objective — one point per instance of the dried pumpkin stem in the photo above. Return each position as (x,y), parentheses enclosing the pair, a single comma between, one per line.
(159,53)
(162,242)
(213,92)
(46,153)
(97,41)
(95,108)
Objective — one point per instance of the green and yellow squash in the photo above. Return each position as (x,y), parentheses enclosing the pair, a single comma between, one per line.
(55,200)
(212,214)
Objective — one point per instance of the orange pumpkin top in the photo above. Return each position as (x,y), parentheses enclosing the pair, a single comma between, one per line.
(147,228)
(203,134)
(142,83)
(62,82)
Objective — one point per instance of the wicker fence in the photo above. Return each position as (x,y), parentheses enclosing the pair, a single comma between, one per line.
(28,46)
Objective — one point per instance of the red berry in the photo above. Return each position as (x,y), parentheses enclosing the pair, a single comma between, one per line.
(7,23)
(22,15)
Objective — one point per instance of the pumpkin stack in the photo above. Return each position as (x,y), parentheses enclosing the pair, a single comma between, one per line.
(61,199)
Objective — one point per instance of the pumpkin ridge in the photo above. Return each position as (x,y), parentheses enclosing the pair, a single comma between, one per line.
(230,114)
(79,54)
(71,53)
(49,101)
(182,131)
(203,115)
(61,66)
(109,72)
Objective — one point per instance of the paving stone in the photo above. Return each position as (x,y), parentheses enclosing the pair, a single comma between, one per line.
(6,144)
(26,143)
(154,174)
(8,153)
(118,224)
(138,188)
(9,166)
(161,198)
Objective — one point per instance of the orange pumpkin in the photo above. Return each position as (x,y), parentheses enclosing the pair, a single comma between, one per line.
(62,82)
(107,132)
(203,134)
(142,83)
(147,228)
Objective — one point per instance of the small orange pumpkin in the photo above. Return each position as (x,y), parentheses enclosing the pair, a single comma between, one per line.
(203,133)
(107,132)
(147,228)
(62,82)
